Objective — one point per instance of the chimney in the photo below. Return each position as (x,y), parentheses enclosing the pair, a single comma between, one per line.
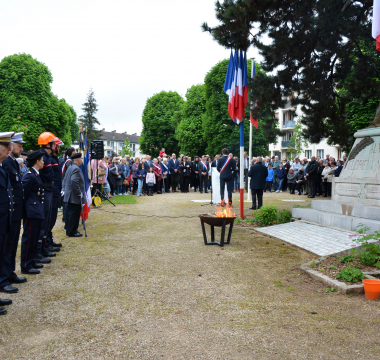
(104,129)
(135,134)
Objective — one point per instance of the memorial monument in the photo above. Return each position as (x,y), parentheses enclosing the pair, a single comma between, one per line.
(356,193)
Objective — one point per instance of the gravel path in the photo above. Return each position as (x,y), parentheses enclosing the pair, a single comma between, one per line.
(147,288)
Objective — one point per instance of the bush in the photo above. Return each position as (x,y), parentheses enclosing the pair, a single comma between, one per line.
(349,274)
(284,216)
(266,215)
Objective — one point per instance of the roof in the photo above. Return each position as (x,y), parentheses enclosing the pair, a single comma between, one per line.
(110,135)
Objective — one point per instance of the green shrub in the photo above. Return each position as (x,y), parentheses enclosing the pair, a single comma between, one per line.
(349,274)
(347,258)
(371,254)
(284,216)
(266,215)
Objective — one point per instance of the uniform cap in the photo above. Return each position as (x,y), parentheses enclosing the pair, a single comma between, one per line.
(46,138)
(23,153)
(17,138)
(5,137)
(76,156)
(35,155)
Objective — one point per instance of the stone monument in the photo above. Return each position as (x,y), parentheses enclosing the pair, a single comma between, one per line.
(356,192)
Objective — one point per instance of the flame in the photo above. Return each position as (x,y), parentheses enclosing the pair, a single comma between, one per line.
(224,212)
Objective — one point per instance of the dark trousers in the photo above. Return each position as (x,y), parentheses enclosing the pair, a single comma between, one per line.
(30,236)
(111,186)
(311,183)
(3,240)
(174,181)
(73,215)
(9,254)
(230,187)
(299,186)
(268,186)
(259,194)
(246,179)
(158,185)
(318,187)
(45,226)
(196,183)
(186,183)
(166,184)
(203,183)
(53,218)
(135,185)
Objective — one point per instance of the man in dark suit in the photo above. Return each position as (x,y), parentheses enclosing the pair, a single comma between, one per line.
(203,168)
(215,162)
(226,167)
(6,205)
(258,174)
(173,168)
(75,195)
(7,274)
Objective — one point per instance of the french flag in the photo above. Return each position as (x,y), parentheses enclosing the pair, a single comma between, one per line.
(376,23)
(236,86)
(86,159)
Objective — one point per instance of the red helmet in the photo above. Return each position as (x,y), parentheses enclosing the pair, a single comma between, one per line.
(58,142)
(46,138)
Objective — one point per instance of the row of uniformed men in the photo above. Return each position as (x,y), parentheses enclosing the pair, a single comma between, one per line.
(33,197)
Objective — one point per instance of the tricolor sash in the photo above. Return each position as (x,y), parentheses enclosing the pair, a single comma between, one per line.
(204,165)
(63,167)
(225,164)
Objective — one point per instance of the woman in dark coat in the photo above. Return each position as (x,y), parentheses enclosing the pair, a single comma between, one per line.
(318,180)
(180,174)
(185,169)
(116,175)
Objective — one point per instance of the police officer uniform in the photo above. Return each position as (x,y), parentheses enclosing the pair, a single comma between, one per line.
(7,274)
(34,216)
(226,166)
(6,208)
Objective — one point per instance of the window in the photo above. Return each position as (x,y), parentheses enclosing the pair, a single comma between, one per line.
(339,154)
(112,144)
(283,118)
(308,154)
(288,155)
(134,147)
(320,153)
(108,143)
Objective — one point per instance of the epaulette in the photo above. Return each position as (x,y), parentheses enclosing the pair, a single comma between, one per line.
(29,172)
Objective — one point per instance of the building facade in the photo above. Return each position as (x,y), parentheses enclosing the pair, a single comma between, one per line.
(288,119)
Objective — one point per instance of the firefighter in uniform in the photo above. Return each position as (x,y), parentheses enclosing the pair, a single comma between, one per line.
(34,213)
(47,142)
(7,274)
(6,204)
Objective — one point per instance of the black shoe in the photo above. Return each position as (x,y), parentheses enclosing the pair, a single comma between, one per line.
(31,271)
(3,311)
(9,289)
(38,266)
(252,208)
(18,280)
(76,235)
(5,302)
(42,260)
(48,254)
(201,192)
(206,192)
(56,244)
(53,249)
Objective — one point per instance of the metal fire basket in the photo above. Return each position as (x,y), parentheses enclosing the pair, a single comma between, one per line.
(218,222)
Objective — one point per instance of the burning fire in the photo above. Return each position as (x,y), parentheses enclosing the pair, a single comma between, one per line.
(224,212)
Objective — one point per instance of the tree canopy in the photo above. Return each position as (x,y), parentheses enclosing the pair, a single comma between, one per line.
(158,127)
(317,47)
(27,103)
(88,120)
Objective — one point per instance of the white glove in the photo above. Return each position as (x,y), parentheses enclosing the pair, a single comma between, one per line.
(62,193)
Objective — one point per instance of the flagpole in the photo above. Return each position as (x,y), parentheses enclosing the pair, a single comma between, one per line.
(250,160)
(242,169)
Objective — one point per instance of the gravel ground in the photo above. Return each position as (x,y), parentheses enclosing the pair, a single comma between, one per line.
(147,288)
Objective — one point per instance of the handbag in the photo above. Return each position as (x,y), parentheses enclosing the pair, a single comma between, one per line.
(101,172)
(126,181)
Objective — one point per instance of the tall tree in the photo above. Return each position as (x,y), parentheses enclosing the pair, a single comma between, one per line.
(74,126)
(189,131)
(316,46)
(158,123)
(27,103)
(88,121)
(126,148)
(218,128)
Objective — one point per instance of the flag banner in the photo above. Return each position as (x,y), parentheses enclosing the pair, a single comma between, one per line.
(254,122)
(236,86)
(84,167)
(376,23)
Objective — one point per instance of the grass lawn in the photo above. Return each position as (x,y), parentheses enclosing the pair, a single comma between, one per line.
(121,199)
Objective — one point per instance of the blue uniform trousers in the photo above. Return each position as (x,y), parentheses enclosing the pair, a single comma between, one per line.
(45,226)
(230,187)
(53,218)
(9,254)
(32,230)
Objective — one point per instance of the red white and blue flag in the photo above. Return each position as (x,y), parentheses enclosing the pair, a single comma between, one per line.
(376,23)
(236,86)
(84,167)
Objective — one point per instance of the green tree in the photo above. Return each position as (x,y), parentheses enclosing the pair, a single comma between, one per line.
(189,131)
(218,128)
(88,121)
(74,126)
(126,149)
(27,103)
(158,123)
(316,47)
(298,141)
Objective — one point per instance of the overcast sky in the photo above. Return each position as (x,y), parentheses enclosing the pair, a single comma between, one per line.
(126,50)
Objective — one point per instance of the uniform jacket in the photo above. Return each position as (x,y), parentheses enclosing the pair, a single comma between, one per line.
(258,174)
(15,176)
(228,172)
(6,203)
(47,173)
(57,175)
(34,195)
(173,164)
(74,187)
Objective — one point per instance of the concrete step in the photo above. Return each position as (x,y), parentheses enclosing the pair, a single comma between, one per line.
(333,219)
(350,209)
